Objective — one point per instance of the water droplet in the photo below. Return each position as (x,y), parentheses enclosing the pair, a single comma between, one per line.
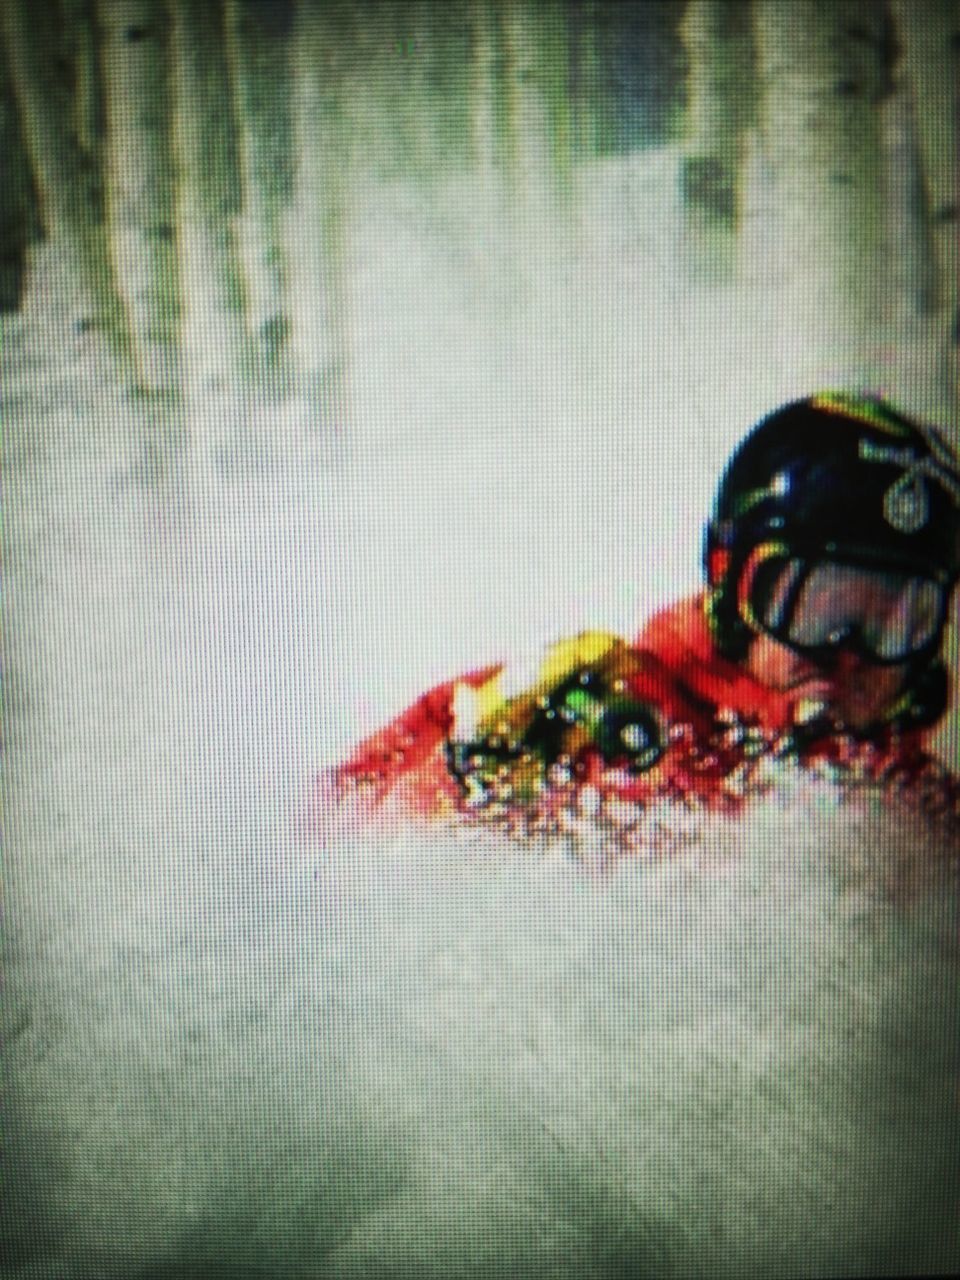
(634,737)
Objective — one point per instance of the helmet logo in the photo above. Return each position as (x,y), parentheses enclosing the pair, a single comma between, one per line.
(906,504)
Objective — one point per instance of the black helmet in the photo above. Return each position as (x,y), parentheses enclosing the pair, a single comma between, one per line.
(834,476)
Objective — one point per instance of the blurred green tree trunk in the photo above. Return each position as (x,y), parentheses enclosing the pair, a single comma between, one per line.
(914,257)
(81,38)
(592,118)
(823,71)
(416,25)
(315,233)
(527,37)
(19,216)
(140,183)
(66,178)
(486,64)
(257,57)
(928,35)
(720,80)
(205,154)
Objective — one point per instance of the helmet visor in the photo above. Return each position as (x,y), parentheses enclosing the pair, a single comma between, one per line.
(823,605)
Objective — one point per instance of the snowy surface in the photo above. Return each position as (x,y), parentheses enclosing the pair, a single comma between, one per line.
(239,1049)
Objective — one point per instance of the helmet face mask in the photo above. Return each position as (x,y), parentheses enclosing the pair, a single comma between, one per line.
(844,482)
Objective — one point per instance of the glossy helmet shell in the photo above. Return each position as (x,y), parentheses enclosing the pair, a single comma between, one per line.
(832,475)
